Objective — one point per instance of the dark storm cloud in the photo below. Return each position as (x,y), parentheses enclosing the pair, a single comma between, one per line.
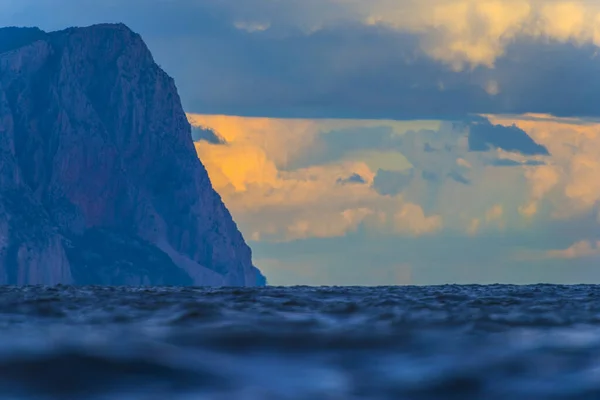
(484,136)
(352,179)
(207,135)
(369,72)
(345,70)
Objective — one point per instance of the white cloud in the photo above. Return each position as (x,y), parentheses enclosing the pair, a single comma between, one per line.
(458,32)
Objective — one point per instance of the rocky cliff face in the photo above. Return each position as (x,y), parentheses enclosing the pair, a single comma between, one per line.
(99,179)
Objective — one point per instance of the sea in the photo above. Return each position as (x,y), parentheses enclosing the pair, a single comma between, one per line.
(300,343)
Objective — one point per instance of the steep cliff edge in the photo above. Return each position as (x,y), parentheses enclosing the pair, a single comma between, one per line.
(99,179)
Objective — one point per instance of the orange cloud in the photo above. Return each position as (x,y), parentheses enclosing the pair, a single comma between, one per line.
(271,202)
(584,248)
(476,32)
(494,213)
(570,181)
(411,218)
(463,33)
(235,167)
(281,140)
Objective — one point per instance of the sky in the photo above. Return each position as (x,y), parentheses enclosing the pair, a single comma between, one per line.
(384,142)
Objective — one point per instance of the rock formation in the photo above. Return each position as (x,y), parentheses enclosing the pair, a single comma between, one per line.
(99,179)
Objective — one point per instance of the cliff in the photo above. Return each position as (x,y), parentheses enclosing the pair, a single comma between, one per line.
(99,179)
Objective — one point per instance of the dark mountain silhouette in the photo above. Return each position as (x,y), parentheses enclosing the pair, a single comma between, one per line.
(99,179)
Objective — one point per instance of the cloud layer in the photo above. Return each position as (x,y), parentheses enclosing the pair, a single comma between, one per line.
(302,180)
(400,59)
(274,202)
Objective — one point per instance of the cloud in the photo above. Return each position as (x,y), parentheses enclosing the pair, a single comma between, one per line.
(458,32)
(279,141)
(272,200)
(473,227)
(569,181)
(505,162)
(279,190)
(458,178)
(584,248)
(433,169)
(474,32)
(392,182)
(208,135)
(352,179)
(483,136)
(411,218)
(494,213)
(517,208)
(372,73)
(368,59)
(251,26)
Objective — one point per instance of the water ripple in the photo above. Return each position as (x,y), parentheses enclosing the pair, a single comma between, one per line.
(350,343)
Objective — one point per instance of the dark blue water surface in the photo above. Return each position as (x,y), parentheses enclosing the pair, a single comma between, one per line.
(442,342)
